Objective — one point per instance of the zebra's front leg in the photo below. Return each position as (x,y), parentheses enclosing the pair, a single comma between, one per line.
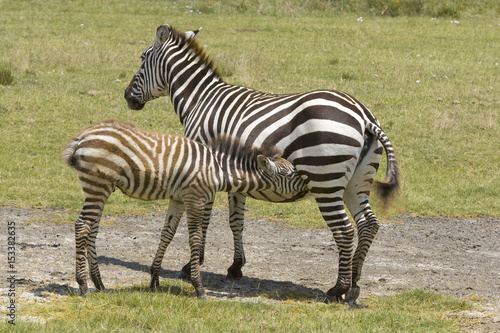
(236,222)
(186,270)
(174,214)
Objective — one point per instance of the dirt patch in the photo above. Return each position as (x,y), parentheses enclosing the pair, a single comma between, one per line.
(458,257)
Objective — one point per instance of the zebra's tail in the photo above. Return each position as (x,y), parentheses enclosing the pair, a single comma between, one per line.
(391,184)
(68,155)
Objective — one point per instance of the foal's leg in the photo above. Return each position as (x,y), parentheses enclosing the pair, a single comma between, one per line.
(174,214)
(194,212)
(86,228)
(186,269)
(95,275)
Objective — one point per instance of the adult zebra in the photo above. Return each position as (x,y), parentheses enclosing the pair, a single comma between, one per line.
(334,141)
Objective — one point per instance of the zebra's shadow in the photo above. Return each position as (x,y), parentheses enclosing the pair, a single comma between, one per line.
(219,286)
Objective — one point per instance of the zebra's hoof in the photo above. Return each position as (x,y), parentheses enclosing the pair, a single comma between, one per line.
(84,291)
(352,295)
(184,276)
(155,283)
(234,274)
(185,273)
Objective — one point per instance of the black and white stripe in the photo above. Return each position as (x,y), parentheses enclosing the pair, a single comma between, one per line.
(152,166)
(334,141)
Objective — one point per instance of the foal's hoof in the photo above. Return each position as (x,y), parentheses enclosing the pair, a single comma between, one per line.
(333,296)
(332,299)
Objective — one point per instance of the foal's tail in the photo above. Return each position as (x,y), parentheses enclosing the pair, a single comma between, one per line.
(68,154)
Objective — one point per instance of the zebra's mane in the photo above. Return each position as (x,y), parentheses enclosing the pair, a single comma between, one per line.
(196,48)
(238,150)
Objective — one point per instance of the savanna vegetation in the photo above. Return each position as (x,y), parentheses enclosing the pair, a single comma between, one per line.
(428,69)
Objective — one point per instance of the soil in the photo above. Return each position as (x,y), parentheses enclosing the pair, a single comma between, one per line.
(452,256)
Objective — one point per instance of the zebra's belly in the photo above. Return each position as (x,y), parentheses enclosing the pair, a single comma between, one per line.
(153,193)
(274,196)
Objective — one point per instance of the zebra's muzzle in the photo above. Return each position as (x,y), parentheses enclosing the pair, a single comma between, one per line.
(132,102)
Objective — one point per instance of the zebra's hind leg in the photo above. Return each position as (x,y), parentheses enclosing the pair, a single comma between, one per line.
(82,230)
(86,228)
(367,225)
(186,269)
(356,198)
(95,274)
(236,222)
(336,218)
(174,214)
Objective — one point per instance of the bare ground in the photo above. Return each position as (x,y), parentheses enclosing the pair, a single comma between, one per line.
(457,257)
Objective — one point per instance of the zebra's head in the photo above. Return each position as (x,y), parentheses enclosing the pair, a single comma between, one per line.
(282,174)
(151,81)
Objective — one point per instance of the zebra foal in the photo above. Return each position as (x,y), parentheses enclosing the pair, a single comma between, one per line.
(152,166)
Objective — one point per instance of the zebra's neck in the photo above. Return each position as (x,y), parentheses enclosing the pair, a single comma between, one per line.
(190,76)
(241,174)
(239,165)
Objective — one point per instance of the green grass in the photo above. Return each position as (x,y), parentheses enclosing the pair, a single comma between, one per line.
(175,310)
(6,76)
(431,83)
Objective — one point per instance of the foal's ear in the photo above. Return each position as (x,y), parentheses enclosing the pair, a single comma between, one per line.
(162,34)
(266,165)
(192,34)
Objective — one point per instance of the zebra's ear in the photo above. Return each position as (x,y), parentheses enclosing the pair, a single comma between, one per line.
(162,34)
(266,165)
(192,34)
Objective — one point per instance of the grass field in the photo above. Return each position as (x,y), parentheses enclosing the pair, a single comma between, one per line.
(431,78)
(138,310)
(431,83)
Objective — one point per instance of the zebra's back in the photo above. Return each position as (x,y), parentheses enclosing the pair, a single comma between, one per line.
(143,164)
